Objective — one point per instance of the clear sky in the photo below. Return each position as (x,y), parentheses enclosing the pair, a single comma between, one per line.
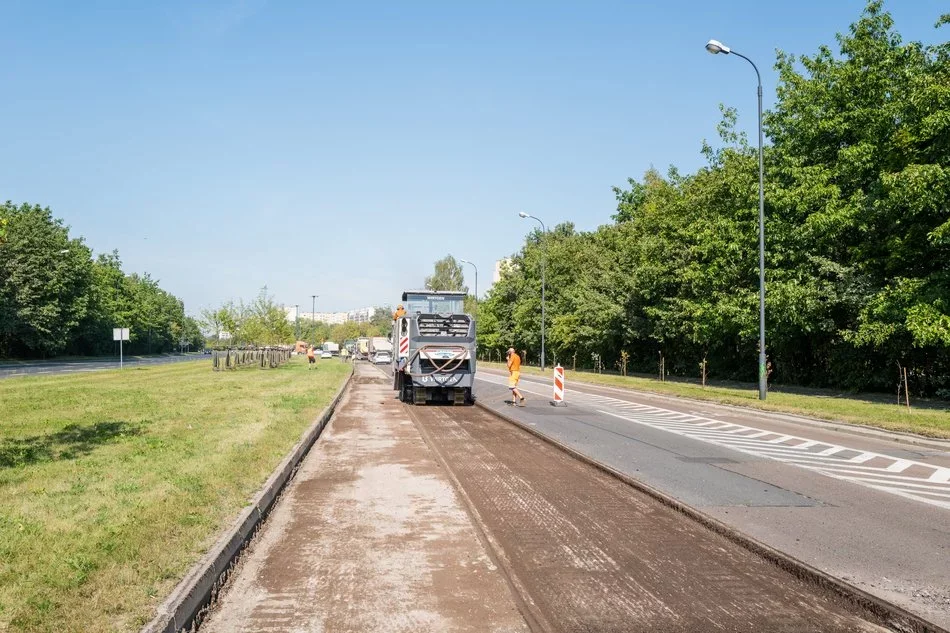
(340,148)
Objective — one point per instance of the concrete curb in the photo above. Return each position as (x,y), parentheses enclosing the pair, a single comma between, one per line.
(894,617)
(183,609)
(851,428)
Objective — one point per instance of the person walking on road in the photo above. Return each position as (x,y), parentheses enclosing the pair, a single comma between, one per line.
(514,371)
(311,357)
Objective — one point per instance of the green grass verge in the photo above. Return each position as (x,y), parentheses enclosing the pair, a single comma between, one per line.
(113,483)
(928,419)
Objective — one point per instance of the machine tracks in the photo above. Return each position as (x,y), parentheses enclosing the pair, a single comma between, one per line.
(585,551)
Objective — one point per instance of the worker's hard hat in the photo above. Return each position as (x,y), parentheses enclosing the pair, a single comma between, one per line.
(511,349)
(399,307)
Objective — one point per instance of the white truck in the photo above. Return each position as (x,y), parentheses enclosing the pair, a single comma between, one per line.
(333,348)
(380,344)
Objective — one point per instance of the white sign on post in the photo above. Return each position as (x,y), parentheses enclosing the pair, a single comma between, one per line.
(120,334)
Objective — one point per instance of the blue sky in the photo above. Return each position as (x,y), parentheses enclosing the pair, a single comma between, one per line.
(340,148)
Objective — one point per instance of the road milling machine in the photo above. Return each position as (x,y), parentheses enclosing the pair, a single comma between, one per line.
(434,341)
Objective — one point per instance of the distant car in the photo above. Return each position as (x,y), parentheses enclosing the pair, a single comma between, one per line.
(326,354)
(383,358)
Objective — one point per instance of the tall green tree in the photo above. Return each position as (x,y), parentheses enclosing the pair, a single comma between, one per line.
(447,275)
(857,237)
(44,282)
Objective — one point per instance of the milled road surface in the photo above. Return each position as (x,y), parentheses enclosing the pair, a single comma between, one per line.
(369,536)
(589,553)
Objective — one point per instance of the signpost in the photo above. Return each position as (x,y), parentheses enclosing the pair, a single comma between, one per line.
(120,334)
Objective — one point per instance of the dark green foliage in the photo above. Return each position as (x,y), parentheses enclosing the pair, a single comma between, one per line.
(54,298)
(857,238)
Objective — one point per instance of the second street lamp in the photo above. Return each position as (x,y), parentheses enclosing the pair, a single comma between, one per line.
(465,261)
(544,257)
(715,47)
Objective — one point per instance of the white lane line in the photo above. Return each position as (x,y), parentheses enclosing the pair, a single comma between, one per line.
(942,476)
(900,465)
(800,460)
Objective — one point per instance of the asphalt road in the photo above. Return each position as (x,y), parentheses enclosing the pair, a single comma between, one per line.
(33,368)
(870,510)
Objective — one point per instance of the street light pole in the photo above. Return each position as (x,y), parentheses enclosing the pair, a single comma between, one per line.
(544,257)
(465,261)
(297,321)
(313,310)
(715,47)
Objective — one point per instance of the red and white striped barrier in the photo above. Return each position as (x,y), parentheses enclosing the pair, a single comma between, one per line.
(558,386)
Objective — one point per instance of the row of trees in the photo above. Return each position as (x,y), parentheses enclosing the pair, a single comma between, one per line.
(264,322)
(56,298)
(857,238)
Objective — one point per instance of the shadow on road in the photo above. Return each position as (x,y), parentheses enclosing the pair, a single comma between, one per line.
(71,442)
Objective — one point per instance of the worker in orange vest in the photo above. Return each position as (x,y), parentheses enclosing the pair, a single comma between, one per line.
(514,370)
(400,311)
(311,357)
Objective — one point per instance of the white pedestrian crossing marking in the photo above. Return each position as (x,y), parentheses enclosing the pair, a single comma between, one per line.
(887,474)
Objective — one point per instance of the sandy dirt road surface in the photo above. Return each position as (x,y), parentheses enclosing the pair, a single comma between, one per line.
(369,536)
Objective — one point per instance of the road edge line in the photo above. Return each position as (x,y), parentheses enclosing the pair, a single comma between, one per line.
(200,585)
(895,617)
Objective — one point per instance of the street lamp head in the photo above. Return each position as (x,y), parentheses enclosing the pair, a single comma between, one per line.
(465,261)
(522,214)
(715,46)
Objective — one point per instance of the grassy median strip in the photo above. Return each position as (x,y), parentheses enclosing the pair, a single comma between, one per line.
(113,483)
(927,418)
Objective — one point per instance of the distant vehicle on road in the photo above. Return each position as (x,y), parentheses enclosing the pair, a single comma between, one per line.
(333,348)
(383,357)
(326,354)
(362,348)
(379,344)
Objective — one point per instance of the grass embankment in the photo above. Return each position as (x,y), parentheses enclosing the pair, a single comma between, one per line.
(929,420)
(113,483)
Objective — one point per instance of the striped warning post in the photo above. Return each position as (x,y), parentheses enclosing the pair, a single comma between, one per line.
(558,386)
